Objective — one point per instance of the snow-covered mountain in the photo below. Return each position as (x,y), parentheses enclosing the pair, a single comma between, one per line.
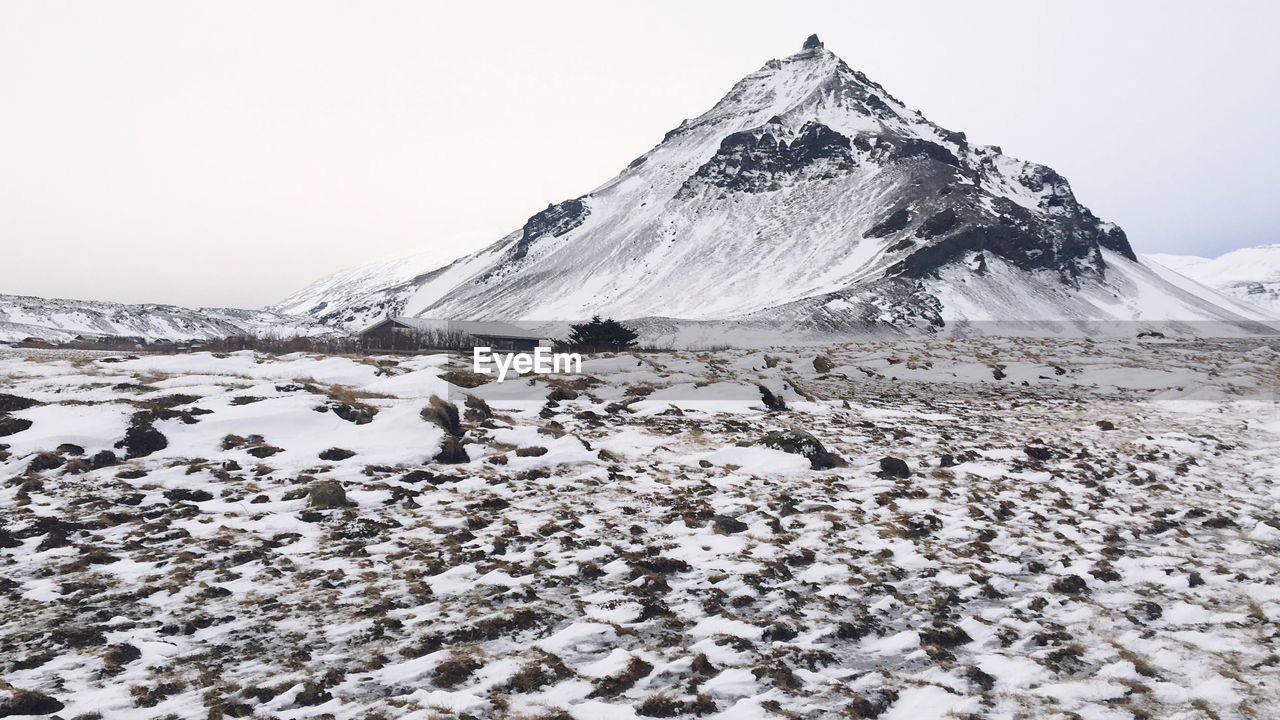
(1250,275)
(61,320)
(808,196)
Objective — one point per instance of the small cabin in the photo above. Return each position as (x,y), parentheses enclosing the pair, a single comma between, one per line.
(87,340)
(406,334)
(37,343)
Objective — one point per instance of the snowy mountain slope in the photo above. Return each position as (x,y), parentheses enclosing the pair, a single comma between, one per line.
(60,320)
(1248,275)
(806,185)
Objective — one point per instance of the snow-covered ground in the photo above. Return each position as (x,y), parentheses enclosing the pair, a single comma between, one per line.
(1082,529)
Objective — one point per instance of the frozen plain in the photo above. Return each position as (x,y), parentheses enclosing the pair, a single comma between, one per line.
(617,545)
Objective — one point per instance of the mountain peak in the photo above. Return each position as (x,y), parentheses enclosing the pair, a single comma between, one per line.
(806,196)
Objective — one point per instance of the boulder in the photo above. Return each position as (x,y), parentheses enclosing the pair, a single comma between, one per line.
(894,467)
(726,525)
(45,461)
(327,494)
(356,413)
(141,440)
(12,425)
(799,442)
(103,458)
(13,403)
(1038,452)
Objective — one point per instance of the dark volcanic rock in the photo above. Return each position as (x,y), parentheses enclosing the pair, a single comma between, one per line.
(556,220)
(103,458)
(12,425)
(141,439)
(335,454)
(726,525)
(756,161)
(799,442)
(187,495)
(938,224)
(902,148)
(1038,452)
(894,223)
(45,461)
(894,467)
(871,705)
(352,413)
(14,403)
(327,494)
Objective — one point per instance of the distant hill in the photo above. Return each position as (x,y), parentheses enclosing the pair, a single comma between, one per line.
(60,320)
(1251,275)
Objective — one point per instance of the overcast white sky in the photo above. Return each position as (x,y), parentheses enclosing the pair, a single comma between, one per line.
(227,153)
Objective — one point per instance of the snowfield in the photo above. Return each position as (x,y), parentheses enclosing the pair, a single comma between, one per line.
(943,528)
(61,320)
(1250,275)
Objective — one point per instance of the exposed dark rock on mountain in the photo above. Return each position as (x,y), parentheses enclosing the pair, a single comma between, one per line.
(747,162)
(556,220)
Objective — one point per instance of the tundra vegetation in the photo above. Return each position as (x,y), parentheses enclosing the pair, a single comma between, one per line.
(986,528)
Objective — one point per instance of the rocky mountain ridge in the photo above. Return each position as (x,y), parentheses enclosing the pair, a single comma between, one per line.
(59,320)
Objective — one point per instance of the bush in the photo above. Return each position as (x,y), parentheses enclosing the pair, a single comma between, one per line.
(601,335)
